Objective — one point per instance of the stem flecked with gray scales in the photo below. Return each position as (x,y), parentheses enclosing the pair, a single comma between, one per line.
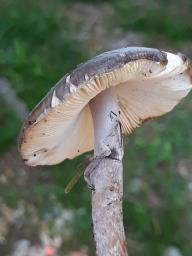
(105,176)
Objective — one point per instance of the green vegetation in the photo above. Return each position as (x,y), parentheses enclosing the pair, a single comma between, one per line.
(37,47)
(10,125)
(170,19)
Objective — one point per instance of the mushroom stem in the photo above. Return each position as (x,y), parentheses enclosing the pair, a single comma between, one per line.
(105,175)
(103,106)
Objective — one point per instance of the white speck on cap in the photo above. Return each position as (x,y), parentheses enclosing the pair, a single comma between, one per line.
(55,101)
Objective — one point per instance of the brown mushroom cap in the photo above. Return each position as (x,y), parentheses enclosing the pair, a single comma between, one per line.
(148,82)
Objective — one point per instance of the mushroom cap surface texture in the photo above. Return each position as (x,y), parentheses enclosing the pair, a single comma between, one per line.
(148,83)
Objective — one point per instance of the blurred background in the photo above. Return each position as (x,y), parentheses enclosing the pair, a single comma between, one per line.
(39,42)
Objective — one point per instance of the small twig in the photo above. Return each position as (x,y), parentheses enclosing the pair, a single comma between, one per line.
(105,174)
(81,169)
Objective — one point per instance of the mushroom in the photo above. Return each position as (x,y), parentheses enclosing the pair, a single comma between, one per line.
(92,107)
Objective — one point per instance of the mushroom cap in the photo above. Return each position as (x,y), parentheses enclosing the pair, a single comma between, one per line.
(148,83)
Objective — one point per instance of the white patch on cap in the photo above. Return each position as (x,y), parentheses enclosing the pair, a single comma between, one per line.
(68,79)
(86,77)
(72,87)
(54,101)
(174,66)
